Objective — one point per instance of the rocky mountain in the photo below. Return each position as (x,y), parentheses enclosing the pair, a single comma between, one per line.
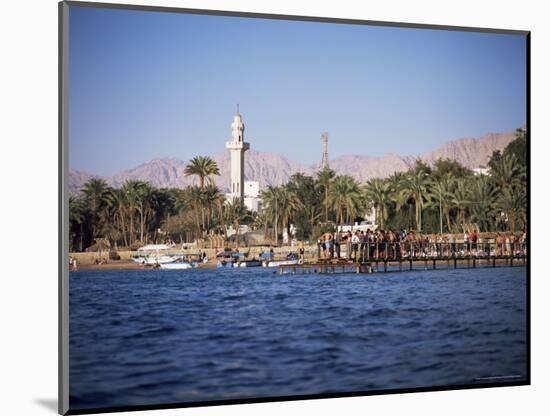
(77,179)
(166,172)
(266,168)
(471,153)
(274,169)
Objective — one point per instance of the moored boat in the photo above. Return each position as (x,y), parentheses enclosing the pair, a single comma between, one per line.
(151,254)
(151,259)
(249,263)
(224,264)
(178,265)
(277,263)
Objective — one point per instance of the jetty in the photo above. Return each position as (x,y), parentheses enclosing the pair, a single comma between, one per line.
(395,259)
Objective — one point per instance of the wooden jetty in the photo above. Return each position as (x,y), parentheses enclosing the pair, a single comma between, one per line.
(392,265)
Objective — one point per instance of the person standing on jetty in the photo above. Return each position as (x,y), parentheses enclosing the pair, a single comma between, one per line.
(466,248)
(326,246)
(355,244)
(337,242)
(330,246)
(364,245)
(348,245)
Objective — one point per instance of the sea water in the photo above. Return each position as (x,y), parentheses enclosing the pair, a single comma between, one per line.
(143,337)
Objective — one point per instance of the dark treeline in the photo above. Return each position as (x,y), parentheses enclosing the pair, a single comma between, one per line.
(444,197)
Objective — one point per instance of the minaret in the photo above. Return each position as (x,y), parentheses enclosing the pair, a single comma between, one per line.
(237,147)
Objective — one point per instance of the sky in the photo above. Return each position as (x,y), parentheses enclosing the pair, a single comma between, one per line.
(146,85)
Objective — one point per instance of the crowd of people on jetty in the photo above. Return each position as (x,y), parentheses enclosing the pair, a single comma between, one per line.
(391,244)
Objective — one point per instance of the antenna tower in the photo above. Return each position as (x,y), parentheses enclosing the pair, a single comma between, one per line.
(324,140)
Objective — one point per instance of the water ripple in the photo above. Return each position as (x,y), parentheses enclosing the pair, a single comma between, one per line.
(147,337)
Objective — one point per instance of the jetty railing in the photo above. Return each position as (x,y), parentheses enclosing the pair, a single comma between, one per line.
(370,257)
(366,251)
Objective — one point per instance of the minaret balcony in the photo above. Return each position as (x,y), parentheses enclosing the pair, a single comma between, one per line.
(237,145)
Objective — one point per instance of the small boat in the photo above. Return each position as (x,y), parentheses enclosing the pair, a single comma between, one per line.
(248,263)
(152,259)
(277,263)
(224,264)
(151,254)
(178,265)
(291,259)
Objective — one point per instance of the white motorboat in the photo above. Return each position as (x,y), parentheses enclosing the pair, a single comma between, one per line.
(277,263)
(151,254)
(151,259)
(178,265)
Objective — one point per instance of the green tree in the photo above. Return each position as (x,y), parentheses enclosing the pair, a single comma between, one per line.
(506,171)
(279,204)
(444,167)
(345,198)
(236,213)
(518,147)
(325,177)
(203,167)
(441,197)
(212,195)
(310,209)
(460,200)
(378,195)
(77,219)
(98,197)
(414,186)
(513,202)
(482,202)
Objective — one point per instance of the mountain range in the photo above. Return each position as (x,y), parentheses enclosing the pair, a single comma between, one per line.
(275,169)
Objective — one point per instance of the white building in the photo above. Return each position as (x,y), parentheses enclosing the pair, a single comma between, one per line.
(481,171)
(252,189)
(237,146)
(252,196)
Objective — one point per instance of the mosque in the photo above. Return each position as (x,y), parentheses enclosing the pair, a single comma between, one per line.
(247,192)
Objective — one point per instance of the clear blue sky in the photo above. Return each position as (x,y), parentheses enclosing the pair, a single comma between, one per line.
(150,84)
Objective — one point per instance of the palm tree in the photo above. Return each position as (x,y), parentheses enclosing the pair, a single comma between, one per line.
(377,193)
(512,201)
(506,171)
(77,217)
(162,206)
(482,202)
(271,199)
(345,197)
(414,186)
(98,197)
(324,178)
(196,199)
(313,213)
(441,195)
(120,214)
(279,206)
(212,196)
(136,198)
(144,193)
(289,203)
(235,213)
(203,167)
(461,199)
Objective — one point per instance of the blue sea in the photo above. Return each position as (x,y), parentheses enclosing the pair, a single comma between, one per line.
(145,337)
